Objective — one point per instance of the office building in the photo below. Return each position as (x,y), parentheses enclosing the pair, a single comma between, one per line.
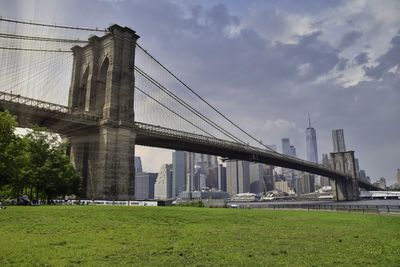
(338,140)
(398,176)
(138,165)
(269,178)
(282,186)
(144,185)
(305,184)
(256,177)
(178,172)
(311,143)
(221,177)
(286,146)
(324,181)
(237,177)
(163,184)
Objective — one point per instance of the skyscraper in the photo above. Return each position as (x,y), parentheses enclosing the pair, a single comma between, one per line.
(338,140)
(286,146)
(256,177)
(237,176)
(144,185)
(311,143)
(162,186)
(221,177)
(398,176)
(178,172)
(138,165)
(325,162)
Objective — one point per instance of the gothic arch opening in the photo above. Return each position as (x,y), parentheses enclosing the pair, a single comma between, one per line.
(101,87)
(338,166)
(82,89)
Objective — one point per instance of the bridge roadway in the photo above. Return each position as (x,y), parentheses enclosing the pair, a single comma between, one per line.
(66,121)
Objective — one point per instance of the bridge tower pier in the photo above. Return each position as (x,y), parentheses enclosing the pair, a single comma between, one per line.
(102,84)
(345,190)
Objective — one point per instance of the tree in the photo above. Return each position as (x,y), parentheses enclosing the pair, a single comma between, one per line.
(50,172)
(36,164)
(12,154)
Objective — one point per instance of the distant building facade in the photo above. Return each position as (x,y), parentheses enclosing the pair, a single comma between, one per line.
(221,177)
(305,184)
(163,184)
(311,143)
(237,177)
(256,177)
(398,176)
(178,172)
(144,185)
(338,140)
(324,181)
(282,186)
(138,165)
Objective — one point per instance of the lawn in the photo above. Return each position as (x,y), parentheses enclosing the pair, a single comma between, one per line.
(177,236)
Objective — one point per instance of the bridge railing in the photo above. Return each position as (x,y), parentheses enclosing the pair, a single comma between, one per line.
(224,143)
(48,106)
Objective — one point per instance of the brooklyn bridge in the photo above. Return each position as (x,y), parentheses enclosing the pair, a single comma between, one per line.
(120,96)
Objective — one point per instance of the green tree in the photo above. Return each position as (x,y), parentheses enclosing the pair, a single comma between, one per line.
(49,170)
(12,155)
(36,164)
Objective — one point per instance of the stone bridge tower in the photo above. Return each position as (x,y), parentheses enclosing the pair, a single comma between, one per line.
(345,190)
(102,85)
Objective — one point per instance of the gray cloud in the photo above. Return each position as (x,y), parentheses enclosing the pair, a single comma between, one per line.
(361,58)
(349,39)
(387,61)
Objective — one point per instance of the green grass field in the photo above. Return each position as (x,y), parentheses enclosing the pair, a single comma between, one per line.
(177,236)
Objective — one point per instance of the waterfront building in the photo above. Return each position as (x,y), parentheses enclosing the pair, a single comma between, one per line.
(221,177)
(138,165)
(285,146)
(398,177)
(305,183)
(237,176)
(144,185)
(256,177)
(178,172)
(163,184)
(338,140)
(282,186)
(324,181)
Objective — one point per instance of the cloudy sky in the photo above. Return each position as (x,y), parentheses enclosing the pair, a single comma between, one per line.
(267,64)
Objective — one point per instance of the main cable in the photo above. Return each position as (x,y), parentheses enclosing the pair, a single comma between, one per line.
(52,25)
(201,98)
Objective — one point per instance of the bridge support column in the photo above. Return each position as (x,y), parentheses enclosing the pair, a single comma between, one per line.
(102,85)
(346,189)
(116,171)
(105,161)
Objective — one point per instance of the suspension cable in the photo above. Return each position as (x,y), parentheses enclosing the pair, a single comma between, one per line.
(42,39)
(183,103)
(137,88)
(196,94)
(35,50)
(52,25)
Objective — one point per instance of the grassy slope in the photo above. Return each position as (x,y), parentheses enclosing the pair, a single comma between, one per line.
(169,236)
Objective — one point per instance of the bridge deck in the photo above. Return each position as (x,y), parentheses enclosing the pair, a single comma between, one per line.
(67,121)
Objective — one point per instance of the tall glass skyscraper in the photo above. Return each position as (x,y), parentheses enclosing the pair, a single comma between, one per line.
(286,146)
(179,172)
(311,142)
(338,140)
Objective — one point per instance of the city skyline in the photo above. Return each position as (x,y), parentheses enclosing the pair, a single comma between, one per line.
(339,69)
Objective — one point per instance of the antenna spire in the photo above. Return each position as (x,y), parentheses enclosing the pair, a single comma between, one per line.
(309,120)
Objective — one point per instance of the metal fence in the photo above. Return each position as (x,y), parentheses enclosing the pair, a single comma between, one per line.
(325,207)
